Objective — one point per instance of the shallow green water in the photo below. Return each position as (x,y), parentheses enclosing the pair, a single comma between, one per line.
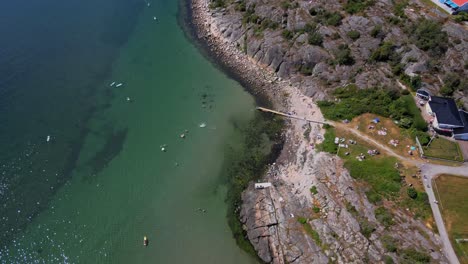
(123,186)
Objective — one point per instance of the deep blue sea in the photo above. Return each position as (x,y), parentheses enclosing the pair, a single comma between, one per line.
(82,174)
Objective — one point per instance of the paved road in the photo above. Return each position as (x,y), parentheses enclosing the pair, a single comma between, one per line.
(431,170)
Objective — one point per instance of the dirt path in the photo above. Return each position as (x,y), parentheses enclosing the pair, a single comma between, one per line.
(368,139)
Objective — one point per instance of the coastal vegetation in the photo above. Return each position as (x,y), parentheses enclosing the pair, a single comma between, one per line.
(450,190)
(428,36)
(356,6)
(353,102)
(262,138)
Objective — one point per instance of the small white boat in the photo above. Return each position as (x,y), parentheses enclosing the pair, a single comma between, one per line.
(128,99)
(202,125)
(112,84)
(155,18)
(119,84)
(148,4)
(48,138)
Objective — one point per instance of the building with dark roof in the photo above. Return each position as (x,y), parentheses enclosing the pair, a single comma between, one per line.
(461,133)
(445,112)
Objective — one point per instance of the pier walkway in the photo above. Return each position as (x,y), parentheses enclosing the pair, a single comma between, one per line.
(263,109)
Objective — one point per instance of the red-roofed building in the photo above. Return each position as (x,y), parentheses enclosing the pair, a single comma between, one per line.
(456,5)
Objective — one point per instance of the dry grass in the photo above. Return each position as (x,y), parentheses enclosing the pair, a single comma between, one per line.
(453,197)
(408,170)
(393,132)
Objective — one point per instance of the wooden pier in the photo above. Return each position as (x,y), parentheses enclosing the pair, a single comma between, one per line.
(263,109)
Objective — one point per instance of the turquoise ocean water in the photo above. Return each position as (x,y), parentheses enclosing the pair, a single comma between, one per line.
(101,182)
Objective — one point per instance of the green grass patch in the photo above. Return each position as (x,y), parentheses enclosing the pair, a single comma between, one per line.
(419,205)
(313,190)
(316,209)
(328,144)
(310,231)
(442,148)
(412,256)
(367,228)
(389,243)
(452,194)
(356,6)
(384,216)
(380,174)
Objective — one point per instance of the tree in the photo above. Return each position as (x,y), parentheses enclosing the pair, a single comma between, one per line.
(315,38)
(428,36)
(412,193)
(383,52)
(354,34)
(343,55)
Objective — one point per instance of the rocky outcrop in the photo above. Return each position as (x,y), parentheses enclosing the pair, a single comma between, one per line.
(257,29)
(274,217)
(289,223)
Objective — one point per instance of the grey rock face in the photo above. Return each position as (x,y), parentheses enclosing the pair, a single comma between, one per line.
(272,216)
(267,45)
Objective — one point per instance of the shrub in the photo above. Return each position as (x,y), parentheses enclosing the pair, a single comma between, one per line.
(428,36)
(334,19)
(302,220)
(343,55)
(326,17)
(461,17)
(315,38)
(313,189)
(286,5)
(241,6)
(354,34)
(316,209)
(355,6)
(413,82)
(217,4)
(399,8)
(376,31)
(374,197)
(412,193)
(268,23)
(287,34)
(384,216)
(389,243)
(310,27)
(383,52)
(388,260)
(414,256)
(422,136)
(306,70)
(452,82)
(366,228)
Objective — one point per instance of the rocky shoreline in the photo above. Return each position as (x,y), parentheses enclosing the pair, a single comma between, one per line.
(277,219)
